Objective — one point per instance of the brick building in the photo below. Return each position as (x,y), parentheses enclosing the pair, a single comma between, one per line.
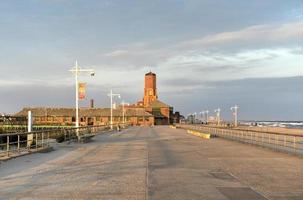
(163,113)
(149,111)
(87,116)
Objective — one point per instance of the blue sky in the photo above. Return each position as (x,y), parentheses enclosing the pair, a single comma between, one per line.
(207,54)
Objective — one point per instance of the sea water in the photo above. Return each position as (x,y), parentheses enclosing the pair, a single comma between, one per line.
(283,124)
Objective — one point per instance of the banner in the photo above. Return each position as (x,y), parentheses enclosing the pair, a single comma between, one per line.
(82,90)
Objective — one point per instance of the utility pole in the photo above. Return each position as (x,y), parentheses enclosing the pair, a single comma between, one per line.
(111,95)
(218,111)
(235,114)
(77,71)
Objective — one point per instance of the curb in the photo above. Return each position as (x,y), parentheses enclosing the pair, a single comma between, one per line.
(199,134)
(44,150)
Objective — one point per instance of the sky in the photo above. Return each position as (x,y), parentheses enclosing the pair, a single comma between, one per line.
(206,54)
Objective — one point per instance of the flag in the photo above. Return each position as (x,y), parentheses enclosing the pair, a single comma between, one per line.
(82,90)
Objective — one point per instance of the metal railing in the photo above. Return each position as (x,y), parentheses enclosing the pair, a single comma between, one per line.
(289,143)
(14,144)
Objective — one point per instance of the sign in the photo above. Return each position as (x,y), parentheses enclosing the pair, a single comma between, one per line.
(82,91)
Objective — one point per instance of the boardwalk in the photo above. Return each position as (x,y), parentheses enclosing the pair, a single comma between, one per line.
(154,163)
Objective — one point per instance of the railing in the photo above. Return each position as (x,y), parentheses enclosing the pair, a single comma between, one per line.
(23,128)
(289,143)
(13,144)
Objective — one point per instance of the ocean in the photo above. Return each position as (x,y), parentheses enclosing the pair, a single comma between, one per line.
(284,124)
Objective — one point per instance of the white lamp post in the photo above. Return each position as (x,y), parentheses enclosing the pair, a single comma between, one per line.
(206,115)
(202,116)
(218,111)
(76,71)
(111,95)
(195,116)
(235,113)
(123,111)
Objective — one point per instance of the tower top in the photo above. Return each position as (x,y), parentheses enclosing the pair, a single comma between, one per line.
(150,88)
(150,74)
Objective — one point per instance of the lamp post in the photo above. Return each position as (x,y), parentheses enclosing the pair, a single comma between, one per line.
(195,115)
(202,116)
(218,111)
(111,95)
(77,71)
(206,116)
(123,111)
(235,114)
(188,118)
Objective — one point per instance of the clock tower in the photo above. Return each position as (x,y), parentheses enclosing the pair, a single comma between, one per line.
(150,89)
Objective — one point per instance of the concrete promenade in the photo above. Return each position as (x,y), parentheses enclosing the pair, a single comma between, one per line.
(155,163)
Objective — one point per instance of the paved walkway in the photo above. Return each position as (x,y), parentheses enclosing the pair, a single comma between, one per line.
(157,164)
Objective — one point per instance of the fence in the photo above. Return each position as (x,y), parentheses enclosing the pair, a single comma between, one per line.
(289,143)
(12,144)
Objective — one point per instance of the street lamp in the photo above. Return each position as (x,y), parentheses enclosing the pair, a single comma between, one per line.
(111,95)
(235,114)
(218,111)
(123,111)
(188,118)
(76,70)
(206,115)
(202,116)
(195,115)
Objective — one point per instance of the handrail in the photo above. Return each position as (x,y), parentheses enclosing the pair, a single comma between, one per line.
(37,140)
(289,143)
(238,129)
(55,130)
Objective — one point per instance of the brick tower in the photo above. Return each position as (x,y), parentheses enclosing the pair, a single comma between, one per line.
(150,89)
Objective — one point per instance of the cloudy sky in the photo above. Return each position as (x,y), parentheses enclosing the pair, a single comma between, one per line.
(206,53)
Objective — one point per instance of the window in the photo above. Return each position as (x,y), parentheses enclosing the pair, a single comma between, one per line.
(66,119)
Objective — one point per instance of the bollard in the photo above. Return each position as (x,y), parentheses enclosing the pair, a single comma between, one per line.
(36,137)
(42,140)
(7,145)
(30,137)
(18,148)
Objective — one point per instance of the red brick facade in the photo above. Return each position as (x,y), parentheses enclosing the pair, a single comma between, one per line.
(150,89)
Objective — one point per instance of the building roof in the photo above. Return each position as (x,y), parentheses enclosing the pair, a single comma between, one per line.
(87,112)
(158,104)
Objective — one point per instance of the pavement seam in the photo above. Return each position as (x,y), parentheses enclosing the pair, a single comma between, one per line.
(147,170)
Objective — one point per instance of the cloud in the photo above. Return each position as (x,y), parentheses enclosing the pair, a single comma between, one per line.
(243,51)
(259,98)
(268,34)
